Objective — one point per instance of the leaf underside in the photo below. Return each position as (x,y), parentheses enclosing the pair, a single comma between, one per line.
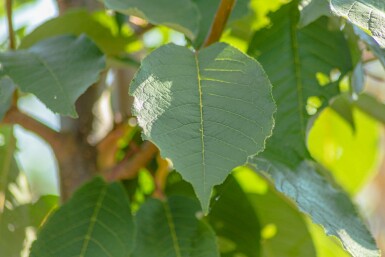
(206,111)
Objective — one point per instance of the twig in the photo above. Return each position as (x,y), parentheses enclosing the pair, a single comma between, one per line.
(11,33)
(14,116)
(219,23)
(129,167)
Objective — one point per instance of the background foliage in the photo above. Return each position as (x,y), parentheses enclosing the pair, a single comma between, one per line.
(272,135)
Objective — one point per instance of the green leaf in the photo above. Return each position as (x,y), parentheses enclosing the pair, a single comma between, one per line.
(40,209)
(7,87)
(343,106)
(337,147)
(162,12)
(322,200)
(366,14)
(284,230)
(95,222)
(57,70)
(76,23)
(206,111)
(311,10)
(12,233)
(371,106)
(293,59)
(235,221)
(170,228)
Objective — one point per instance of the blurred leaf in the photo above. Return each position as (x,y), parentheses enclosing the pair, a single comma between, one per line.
(371,106)
(235,222)
(95,222)
(358,78)
(293,65)
(377,50)
(40,209)
(326,246)
(12,232)
(213,110)
(79,22)
(343,106)
(284,230)
(16,4)
(162,12)
(57,70)
(170,228)
(366,14)
(312,10)
(7,87)
(317,196)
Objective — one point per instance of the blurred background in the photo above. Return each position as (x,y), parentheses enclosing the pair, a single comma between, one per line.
(352,151)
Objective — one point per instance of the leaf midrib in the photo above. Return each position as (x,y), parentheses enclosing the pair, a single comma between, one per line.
(297,73)
(171,227)
(93,221)
(201,122)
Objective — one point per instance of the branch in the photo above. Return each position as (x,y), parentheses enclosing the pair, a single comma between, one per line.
(14,116)
(219,23)
(11,33)
(130,167)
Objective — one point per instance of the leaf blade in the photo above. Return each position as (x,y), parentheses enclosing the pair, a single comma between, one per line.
(213,104)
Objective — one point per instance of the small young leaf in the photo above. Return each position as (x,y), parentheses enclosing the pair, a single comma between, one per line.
(171,228)
(95,222)
(207,111)
(57,70)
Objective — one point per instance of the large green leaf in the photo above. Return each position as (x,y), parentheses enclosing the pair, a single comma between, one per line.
(171,228)
(181,15)
(57,70)
(293,59)
(76,23)
(322,200)
(235,221)
(7,87)
(207,111)
(366,14)
(95,222)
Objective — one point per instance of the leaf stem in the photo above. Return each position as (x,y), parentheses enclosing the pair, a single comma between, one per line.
(219,23)
(11,33)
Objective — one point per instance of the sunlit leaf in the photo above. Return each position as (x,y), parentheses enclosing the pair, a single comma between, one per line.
(315,194)
(366,14)
(206,111)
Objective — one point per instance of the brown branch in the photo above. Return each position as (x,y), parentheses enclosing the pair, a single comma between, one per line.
(219,23)
(11,33)
(129,167)
(14,116)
